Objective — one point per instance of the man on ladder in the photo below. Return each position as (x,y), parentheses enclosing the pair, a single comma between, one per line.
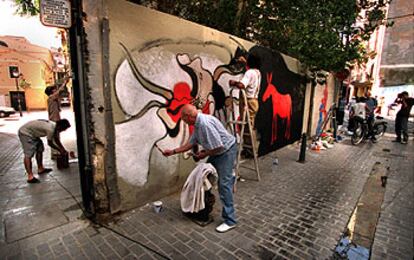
(251,84)
(249,89)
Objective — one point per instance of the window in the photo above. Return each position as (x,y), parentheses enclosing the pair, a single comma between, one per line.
(14,72)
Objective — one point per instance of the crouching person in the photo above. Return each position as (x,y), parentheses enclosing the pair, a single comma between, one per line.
(30,134)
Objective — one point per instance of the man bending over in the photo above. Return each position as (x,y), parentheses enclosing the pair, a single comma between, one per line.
(30,134)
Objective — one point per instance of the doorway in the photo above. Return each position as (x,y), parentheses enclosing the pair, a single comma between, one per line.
(17,97)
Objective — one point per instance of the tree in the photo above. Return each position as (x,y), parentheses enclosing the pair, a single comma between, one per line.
(225,15)
(327,35)
(324,35)
(27,7)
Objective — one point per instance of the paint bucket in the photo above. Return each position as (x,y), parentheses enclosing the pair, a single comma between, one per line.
(157,205)
(62,161)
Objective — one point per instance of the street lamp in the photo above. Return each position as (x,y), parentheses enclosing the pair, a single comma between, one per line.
(16,76)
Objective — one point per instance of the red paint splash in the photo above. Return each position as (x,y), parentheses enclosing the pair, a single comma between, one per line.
(181,97)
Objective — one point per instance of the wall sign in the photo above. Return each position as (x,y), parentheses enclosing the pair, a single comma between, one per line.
(55,13)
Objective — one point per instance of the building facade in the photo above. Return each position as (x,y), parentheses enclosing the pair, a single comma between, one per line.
(366,76)
(397,58)
(35,71)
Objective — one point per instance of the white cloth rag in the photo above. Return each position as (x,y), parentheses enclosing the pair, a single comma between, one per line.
(192,194)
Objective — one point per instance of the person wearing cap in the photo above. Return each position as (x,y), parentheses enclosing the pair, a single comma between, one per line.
(221,149)
(30,134)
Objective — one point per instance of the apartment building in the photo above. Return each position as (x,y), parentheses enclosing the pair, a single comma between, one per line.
(33,69)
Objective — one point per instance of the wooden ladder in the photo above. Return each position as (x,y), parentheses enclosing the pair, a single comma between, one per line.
(232,124)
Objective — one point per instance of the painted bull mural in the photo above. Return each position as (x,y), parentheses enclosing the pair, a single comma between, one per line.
(282,108)
(151,98)
(154,81)
(281,101)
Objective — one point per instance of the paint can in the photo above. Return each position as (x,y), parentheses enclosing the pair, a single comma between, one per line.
(275,161)
(62,161)
(157,206)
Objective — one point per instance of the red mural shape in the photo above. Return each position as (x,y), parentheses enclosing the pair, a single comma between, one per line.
(181,97)
(282,107)
(324,100)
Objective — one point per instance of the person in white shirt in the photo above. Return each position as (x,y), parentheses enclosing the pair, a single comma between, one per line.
(251,84)
(30,134)
(357,113)
(359,109)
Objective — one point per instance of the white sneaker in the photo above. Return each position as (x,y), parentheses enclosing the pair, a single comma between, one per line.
(224,228)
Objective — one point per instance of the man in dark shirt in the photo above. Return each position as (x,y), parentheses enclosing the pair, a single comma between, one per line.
(371,106)
(401,121)
(53,107)
(340,111)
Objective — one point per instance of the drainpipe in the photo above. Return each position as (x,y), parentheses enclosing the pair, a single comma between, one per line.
(82,119)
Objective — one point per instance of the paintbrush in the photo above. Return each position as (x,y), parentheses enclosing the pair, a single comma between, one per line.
(159,149)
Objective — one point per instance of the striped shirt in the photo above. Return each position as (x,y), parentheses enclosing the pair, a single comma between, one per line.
(210,133)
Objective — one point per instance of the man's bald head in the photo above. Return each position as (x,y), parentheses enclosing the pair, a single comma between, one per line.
(189,114)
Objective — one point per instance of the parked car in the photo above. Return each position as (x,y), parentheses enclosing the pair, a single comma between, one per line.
(6,111)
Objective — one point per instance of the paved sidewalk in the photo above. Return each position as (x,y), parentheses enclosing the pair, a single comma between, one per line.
(298,211)
(33,213)
(394,237)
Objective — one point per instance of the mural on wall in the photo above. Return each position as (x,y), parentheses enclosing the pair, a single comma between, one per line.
(152,84)
(154,81)
(322,110)
(282,108)
(281,101)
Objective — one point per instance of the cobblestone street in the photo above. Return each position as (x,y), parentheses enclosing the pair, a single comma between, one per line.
(297,211)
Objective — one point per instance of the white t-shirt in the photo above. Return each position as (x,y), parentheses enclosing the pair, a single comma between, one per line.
(359,110)
(251,80)
(38,128)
